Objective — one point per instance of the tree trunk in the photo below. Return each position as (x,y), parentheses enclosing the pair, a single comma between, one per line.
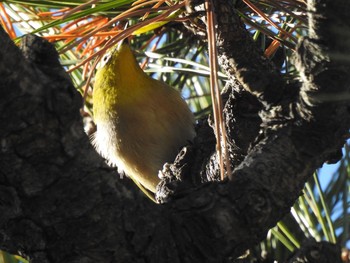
(59,201)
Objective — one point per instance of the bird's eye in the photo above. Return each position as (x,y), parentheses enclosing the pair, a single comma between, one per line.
(105,59)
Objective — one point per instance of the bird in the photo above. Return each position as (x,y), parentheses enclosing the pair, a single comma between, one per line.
(141,122)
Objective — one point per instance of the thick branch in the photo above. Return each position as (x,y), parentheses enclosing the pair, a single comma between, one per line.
(60,203)
(242,58)
(292,145)
(239,55)
(322,61)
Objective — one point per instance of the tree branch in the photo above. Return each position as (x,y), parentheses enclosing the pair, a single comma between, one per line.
(61,203)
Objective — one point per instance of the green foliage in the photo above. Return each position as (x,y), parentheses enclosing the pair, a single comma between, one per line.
(8,258)
(320,214)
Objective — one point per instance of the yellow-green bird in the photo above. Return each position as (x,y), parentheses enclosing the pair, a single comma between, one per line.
(141,122)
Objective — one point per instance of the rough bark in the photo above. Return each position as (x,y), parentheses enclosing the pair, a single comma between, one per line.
(59,202)
(310,252)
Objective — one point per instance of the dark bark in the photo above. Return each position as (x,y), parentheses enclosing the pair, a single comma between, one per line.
(59,202)
(316,252)
(310,252)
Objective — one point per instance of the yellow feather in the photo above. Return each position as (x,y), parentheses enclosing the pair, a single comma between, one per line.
(141,122)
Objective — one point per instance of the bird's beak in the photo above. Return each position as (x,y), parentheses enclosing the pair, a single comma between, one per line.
(120,43)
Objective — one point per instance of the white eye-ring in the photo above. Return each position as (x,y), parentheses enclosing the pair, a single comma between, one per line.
(106,57)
